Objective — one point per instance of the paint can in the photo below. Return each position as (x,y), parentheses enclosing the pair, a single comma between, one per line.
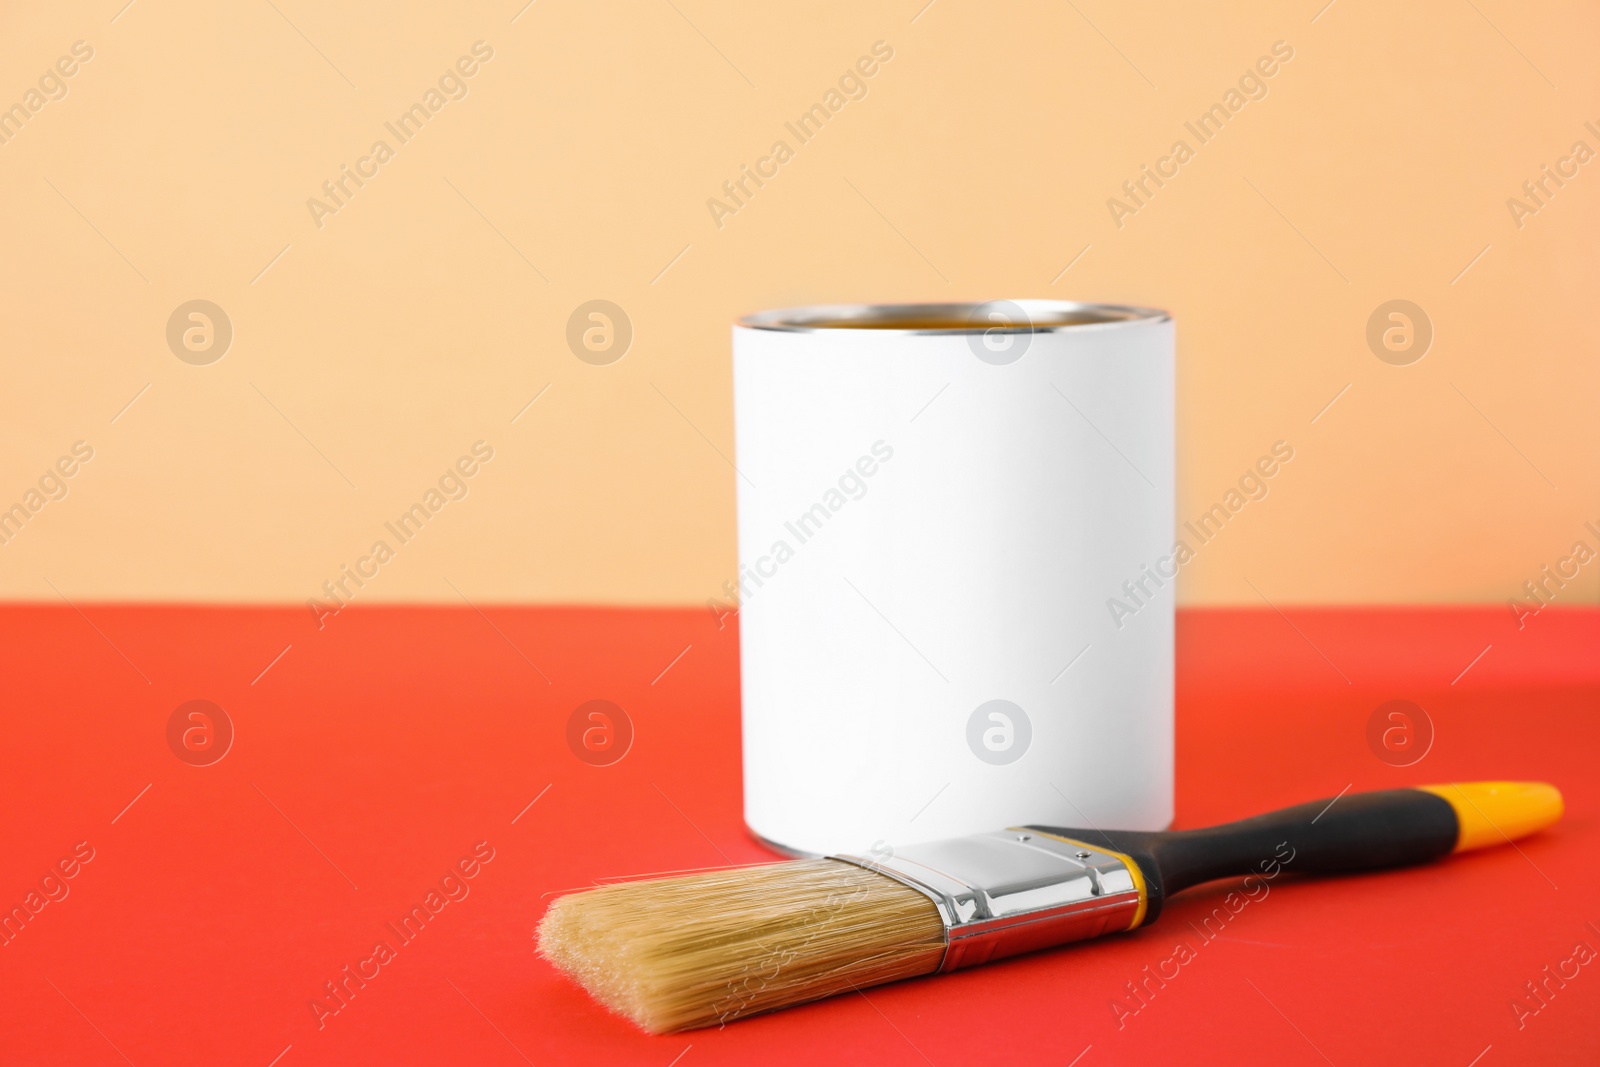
(940,507)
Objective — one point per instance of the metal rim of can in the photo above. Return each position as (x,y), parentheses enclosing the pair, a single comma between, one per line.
(1046,316)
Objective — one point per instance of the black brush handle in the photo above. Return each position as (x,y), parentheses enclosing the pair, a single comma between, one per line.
(1360,832)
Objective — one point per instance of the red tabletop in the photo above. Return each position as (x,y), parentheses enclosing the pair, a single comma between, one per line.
(373,761)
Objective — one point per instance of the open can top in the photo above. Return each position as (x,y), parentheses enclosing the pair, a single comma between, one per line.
(1032,316)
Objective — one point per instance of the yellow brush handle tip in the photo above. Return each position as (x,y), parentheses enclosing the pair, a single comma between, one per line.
(1492,813)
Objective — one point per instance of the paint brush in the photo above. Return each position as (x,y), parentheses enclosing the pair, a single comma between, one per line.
(706,948)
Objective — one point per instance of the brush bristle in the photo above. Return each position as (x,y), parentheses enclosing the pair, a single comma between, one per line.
(702,949)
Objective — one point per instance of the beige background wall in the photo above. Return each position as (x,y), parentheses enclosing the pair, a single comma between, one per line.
(371,352)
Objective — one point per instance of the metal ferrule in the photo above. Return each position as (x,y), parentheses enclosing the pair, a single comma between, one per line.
(1014,891)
